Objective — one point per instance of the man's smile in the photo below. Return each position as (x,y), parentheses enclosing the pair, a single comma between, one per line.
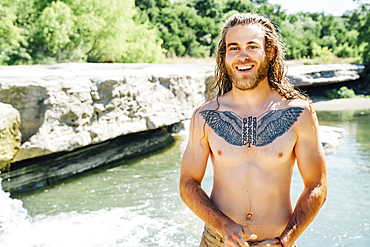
(244,67)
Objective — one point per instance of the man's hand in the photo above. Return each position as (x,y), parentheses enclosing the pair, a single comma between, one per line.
(270,243)
(236,235)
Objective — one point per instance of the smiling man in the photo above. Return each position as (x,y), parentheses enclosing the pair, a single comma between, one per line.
(254,131)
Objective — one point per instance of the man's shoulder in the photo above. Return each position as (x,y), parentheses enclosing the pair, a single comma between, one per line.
(198,118)
(298,103)
(307,115)
(207,106)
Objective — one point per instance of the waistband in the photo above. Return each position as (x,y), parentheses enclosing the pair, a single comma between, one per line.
(218,237)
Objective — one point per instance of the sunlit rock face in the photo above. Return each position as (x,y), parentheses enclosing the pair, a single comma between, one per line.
(330,137)
(321,74)
(10,136)
(67,106)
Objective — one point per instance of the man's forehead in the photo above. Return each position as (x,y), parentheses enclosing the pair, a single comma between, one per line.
(247,31)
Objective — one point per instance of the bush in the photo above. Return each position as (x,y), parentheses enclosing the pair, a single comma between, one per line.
(44,31)
(322,54)
(53,29)
(343,92)
(12,37)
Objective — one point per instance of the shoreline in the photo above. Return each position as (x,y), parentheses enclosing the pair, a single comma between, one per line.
(345,104)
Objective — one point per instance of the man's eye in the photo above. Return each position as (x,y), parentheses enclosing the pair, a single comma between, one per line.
(252,47)
(233,48)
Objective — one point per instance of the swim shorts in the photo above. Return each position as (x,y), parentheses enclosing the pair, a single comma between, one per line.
(211,238)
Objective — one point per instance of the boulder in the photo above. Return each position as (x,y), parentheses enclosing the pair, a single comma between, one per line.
(10,136)
(321,74)
(68,106)
(330,137)
(50,169)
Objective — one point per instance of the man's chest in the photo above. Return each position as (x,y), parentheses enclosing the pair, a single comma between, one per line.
(251,131)
(269,137)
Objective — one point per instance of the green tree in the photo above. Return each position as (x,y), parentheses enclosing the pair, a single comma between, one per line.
(184,32)
(35,31)
(300,35)
(13,35)
(97,31)
(364,32)
(52,30)
(152,8)
(208,8)
(239,6)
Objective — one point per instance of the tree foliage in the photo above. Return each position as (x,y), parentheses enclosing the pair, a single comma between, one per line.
(46,31)
(363,16)
(75,30)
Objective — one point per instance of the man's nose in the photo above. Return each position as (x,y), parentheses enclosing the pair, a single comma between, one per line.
(243,55)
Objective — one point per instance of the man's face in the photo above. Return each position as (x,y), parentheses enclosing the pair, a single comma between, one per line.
(245,56)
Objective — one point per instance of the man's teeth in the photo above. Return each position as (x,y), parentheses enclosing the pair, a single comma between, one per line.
(244,67)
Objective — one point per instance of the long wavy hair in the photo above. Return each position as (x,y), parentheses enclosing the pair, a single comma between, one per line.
(276,69)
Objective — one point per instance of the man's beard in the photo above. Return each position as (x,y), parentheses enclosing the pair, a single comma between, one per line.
(246,83)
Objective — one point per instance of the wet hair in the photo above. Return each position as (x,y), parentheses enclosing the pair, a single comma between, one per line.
(276,68)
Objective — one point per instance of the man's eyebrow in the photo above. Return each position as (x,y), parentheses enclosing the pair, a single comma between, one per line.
(248,43)
(230,44)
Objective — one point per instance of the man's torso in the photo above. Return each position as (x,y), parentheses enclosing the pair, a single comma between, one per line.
(253,158)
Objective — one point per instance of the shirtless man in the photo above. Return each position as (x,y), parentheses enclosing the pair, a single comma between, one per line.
(254,130)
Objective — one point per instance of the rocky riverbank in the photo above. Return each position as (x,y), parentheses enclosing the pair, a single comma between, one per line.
(78,116)
(68,106)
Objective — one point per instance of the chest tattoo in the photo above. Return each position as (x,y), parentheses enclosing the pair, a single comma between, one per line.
(258,131)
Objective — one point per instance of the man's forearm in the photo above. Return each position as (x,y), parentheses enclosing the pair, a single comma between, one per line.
(199,202)
(308,205)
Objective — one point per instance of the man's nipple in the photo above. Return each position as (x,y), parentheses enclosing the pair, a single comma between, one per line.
(280,155)
(219,152)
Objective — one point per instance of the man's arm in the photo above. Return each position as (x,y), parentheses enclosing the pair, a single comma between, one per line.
(312,167)
(193,166)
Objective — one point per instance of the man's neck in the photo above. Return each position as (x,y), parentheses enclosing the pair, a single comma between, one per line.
(258,98)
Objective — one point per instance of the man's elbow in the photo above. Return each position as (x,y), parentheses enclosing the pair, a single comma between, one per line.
(182,189)
(318,192)
(321,191)
(186,188)
(324,191)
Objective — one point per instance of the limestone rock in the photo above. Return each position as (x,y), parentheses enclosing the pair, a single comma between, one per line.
(309,75)
(10,136)
(330,137)
(50,169)
(68,106)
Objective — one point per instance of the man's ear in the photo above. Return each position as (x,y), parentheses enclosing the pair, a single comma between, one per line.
(271,53)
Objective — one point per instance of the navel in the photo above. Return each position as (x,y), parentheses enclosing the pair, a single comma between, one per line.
(219,152)
(280,155)
(249,216)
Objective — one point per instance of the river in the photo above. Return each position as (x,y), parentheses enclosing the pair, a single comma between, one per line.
(136,203)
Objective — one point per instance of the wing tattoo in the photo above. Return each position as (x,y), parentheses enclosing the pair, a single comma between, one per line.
(250,130)
(225,124)
(275,123)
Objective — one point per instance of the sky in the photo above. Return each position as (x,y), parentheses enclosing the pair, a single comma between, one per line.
(334,7)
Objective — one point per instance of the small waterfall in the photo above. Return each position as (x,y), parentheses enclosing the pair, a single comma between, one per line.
(13,220)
